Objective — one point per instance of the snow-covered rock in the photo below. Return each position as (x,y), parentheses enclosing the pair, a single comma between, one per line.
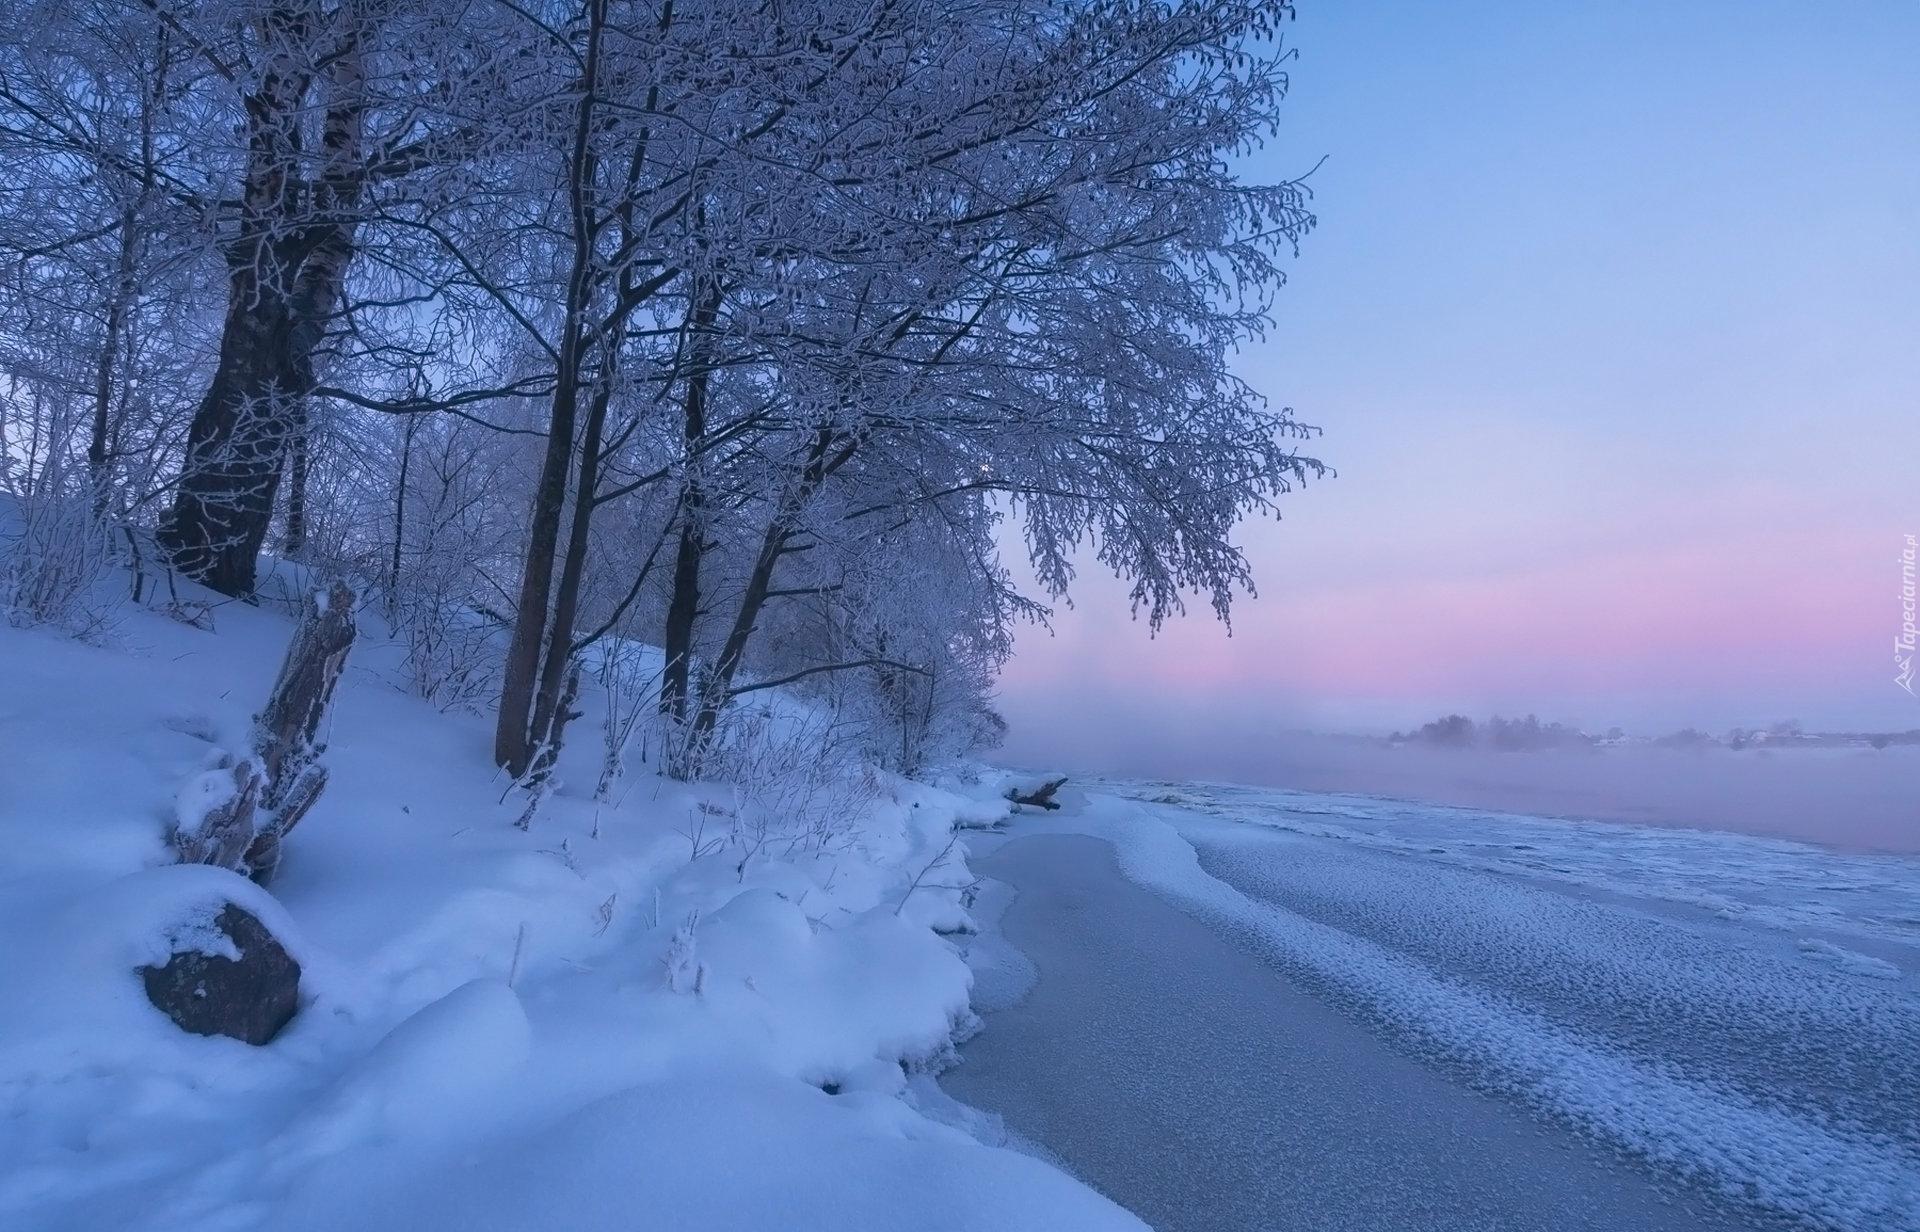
(226,974)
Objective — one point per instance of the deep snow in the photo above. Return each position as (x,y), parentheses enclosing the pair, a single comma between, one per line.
(491,1036)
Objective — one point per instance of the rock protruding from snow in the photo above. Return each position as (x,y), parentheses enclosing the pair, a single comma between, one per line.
(248,989)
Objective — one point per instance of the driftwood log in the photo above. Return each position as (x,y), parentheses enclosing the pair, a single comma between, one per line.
(1039,797)
(226,830)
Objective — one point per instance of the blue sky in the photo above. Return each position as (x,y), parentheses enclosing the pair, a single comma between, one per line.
(1612,322)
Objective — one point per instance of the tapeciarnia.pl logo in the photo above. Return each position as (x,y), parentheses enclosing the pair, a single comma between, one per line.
(1903,645)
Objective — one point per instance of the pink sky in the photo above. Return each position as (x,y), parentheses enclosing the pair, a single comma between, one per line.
(1739,627)
(1619,369)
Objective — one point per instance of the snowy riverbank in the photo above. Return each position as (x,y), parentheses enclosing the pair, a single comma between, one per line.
(612,1020)
(627,1016)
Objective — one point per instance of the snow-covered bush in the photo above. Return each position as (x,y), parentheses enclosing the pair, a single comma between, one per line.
(629,678)
(799,781)
(449,526)
(450,659)
(55,554)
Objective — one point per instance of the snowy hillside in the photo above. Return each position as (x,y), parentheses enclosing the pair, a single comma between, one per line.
(619,1018)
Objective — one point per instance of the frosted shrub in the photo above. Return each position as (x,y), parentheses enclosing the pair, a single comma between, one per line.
(685,971)
(449,528)
(54,558)
(450,654)
(798,781)
(630,687)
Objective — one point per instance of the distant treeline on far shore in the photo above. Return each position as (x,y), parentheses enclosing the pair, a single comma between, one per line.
(1457,731)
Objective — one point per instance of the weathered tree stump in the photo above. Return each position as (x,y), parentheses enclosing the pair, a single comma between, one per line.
(286,735)
(248,998)
(225,831)
(274,788)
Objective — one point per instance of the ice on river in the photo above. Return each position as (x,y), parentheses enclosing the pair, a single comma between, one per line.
(1741,1010)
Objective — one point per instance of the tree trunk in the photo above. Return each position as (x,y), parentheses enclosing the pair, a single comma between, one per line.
(287,734)
(126,289)
(288,267)
(400,520)
(299,452)
(281,780)
(287,731)
(683,606)
(513,738)
(714,692)
(235,446)
(117,309)
(512,746)
(717,689)
(551,706)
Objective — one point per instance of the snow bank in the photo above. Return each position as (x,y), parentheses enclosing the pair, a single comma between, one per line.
(606,1021)
(717,1152)
(75,998)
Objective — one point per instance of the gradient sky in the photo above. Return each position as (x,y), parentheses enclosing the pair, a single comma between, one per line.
(1612,323)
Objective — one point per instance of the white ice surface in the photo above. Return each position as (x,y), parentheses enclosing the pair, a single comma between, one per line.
(1680,994)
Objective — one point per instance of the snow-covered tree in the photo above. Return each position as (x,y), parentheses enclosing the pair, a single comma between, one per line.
(756,331)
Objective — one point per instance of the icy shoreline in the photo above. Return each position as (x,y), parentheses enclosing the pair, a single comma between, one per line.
(1700,1001)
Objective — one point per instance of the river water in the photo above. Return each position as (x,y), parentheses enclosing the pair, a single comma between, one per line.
(1250,1008)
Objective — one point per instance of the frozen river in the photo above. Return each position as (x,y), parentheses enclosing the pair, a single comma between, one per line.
(1265,1009)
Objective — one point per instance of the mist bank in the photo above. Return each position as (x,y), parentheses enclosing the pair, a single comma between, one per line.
(1851,798)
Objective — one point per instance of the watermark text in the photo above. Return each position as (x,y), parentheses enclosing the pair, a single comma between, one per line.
(1903,645)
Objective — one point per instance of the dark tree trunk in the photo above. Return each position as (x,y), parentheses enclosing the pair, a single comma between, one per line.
(683,606)
(513,737)
(236,444)
(551,707)
(287,266)
(120,304)
(117,309)
(827,454)
(715,689)
(512,743)
(533,693)
(400,519)
(299,455)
